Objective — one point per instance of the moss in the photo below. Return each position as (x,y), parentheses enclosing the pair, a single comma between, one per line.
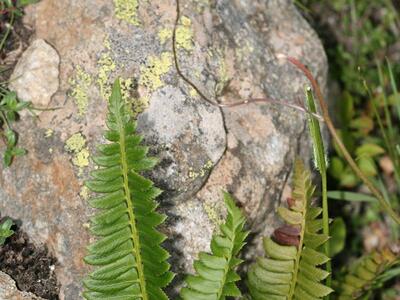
(80,84)
(150,75)
(106,67)
(76,145)
(127,10)
(184,34)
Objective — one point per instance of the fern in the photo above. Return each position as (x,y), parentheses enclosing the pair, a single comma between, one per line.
(365,274)
(131,263)
(291,269)
(216,276)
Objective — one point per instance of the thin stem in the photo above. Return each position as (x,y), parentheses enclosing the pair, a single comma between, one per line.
(325,114)
(6,34)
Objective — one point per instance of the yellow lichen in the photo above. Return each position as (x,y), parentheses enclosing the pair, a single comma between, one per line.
(184,34)
(193,174)
(126,87)
(150,75)
(139,105)
(84,193)
(127,10)
(213,212)
(80,84)
(164,35)
(193,93)
(244,51)
(223,77)
(106,67)
(49,132)
(76,145)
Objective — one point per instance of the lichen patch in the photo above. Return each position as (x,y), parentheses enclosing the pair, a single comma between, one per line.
(150,75)
(127,10)
(80,85)
(106,66)
(184,34)
(76,145)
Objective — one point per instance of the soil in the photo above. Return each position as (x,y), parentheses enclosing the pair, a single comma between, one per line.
(31,267)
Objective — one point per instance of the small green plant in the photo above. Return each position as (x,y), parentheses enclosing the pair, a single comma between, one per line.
(9,108)
(216,276)
(5,230)
(131,263)
(290,270)
(366,274)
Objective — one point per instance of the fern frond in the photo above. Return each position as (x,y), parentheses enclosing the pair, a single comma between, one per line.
(216,276)
(130,262)
(290,269)
(365,274)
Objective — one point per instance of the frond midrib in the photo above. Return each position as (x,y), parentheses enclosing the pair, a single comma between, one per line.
(300,247)
(135,236)
(226,270)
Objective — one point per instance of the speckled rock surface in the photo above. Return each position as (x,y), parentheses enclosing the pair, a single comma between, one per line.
(8,290)
(228,49)
(35,77)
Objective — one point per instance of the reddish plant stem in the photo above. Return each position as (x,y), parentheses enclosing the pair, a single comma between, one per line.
(328,121)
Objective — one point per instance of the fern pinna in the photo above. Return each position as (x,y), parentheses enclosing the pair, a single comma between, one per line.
(216,276)
(366,274)
(290,270)
(131,263)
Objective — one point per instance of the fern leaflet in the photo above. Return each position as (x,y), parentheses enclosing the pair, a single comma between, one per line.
(290,270)
(216,276)
(131,263)
(365,274)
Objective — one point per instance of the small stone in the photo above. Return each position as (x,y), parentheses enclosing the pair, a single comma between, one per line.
(35,77)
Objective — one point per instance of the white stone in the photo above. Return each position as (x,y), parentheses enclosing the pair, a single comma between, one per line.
(36,76)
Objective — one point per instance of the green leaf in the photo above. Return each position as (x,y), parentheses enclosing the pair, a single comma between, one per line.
(131,264)
(5,230)
(7,157)
(369,150)
(350,196)
(10,137)
(338,236)
(215,273)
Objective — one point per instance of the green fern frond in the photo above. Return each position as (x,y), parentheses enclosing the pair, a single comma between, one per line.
(290,270)
(216,276)
(365,274)
(130,262)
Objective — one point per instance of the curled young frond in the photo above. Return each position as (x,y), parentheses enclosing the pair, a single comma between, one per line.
(291,269)
(130,262)
(215,273)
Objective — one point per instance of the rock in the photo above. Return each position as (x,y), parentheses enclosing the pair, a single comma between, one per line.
(35,77)
(228,50)
(8,290)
